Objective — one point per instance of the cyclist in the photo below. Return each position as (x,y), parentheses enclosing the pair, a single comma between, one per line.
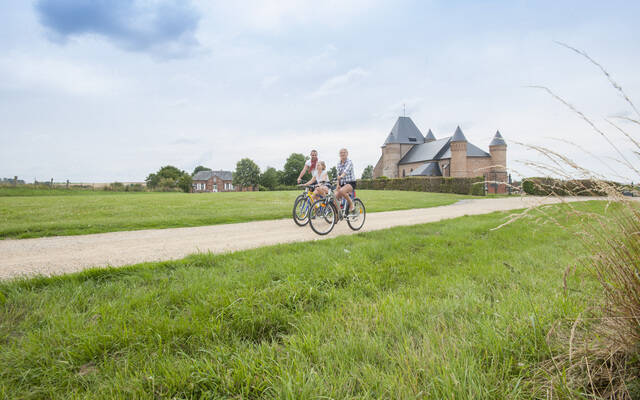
(322,179)
(346,179)
(310,165)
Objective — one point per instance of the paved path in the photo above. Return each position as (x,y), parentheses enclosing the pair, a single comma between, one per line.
(64,254)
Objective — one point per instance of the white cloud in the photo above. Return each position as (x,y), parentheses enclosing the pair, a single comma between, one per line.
(340,82)
(27,72)
(268,15)
(269,81)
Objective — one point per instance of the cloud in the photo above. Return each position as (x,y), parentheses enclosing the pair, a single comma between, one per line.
(52,74)
(340,82)
(269,81)
(274,15)
(163,28)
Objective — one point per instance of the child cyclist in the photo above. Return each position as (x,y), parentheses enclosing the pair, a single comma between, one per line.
(321,177)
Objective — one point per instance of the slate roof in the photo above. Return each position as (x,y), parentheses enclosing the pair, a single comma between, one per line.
(224,175)
(438,150)
(430,136)
(202,176)
(405,132)
(206,175)
(425,151)
(498,140)
(472,151)
(458,136)
(427,169)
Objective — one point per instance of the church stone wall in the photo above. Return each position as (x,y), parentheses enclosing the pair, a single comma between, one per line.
(459,160)
(478,166)
(391,155)
(406,169)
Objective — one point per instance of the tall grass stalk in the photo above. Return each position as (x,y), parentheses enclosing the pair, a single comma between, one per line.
(598,354)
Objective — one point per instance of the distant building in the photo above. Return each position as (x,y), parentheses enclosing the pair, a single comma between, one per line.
(406,152)
(12,181)
(212,181)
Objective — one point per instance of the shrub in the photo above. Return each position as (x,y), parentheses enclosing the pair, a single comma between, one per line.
(528,187)
(473,186)
(558,187)
(286,187)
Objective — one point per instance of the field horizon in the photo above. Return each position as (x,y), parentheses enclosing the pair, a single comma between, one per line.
(77,212)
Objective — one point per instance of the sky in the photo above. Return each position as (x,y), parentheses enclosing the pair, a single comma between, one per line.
(111,90)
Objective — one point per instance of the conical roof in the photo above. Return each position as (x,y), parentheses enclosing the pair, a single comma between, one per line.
(405,131)
(430,137)
(498,140)
(458,136)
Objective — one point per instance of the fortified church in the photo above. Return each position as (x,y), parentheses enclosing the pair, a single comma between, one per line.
(406,152)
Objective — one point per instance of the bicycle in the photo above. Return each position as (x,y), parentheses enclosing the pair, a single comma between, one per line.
(324,214)
(302,205)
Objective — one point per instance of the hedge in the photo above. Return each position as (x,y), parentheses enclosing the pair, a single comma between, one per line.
(474,186)
(558,187)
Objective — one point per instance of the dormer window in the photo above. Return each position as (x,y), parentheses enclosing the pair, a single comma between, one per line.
(412,139)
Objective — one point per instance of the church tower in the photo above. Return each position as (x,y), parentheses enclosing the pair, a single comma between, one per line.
(403,136)
(498,177)
(458,154)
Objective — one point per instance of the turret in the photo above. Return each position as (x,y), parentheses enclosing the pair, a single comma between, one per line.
(458,145)
(430,137)
(498,151)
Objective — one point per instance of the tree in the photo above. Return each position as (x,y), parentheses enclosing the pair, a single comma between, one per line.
(247,173)
(152,181)
(292,168)
(170,172)
(169,177)
(269,178)
(184,182)
(333,173)
(200,168)
(368,172)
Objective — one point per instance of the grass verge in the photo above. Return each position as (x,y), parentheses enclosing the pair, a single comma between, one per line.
(442,310)
(96,212)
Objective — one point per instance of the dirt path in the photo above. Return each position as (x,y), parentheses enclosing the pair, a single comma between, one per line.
(64,254)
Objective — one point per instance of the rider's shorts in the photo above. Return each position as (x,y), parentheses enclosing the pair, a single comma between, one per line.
(352,183)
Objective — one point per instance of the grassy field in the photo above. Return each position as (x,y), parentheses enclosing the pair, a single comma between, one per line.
(444,310)
(82,212)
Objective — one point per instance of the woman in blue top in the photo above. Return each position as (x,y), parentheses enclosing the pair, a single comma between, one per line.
(346,179)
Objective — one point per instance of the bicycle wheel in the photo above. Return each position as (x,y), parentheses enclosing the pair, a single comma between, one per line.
(356,221)
(301,210)
(322,217)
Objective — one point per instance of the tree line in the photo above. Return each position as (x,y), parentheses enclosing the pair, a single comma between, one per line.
(247,174)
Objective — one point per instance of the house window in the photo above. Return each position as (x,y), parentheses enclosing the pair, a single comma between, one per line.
(215,187)
(403,173)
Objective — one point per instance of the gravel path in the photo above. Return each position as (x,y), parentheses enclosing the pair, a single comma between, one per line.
(64,254)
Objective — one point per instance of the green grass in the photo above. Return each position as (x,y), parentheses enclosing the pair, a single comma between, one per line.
(444,310)
(82,212)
